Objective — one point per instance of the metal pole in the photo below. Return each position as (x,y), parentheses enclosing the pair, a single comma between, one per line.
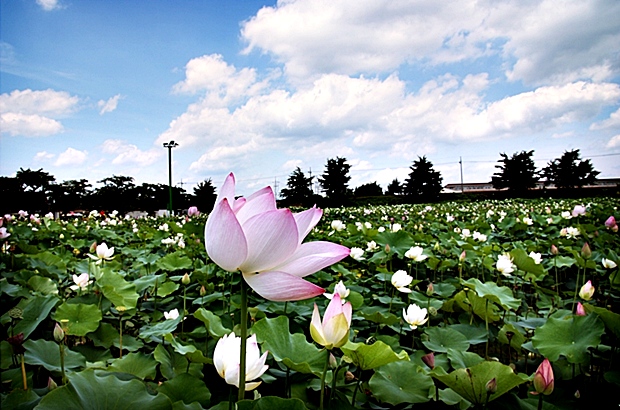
(170,145)
(461,164)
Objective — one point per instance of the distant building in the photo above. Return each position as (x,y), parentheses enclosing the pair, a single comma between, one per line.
(488,187)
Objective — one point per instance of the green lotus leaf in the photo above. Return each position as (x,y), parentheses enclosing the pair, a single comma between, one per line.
(166,288)
(47,354)
(293,350)
(401,382)
(399,242)
(140,365)
(117,290)
(148,281)
(460,359)
(35,310)
(527,264)
(271,402)
(470,300)
(440,339)
(371,356)
(501,295)
(516,340)
(160,329)
(212,322)
(471,382)
(91,390)
(570,337)
(564,261)
(43,285)
(611,319)
(20,399)
(474,334)
(174,261)
(379,314)
(186,388)
(81,319)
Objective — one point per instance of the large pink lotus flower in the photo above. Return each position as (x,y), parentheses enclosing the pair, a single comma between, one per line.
(265,243)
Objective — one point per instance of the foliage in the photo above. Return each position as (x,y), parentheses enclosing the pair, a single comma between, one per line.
(205,195)
(298,189)
(423,183)
(569,171)
(369,189)
(517,173)
(120,350)
(335,181)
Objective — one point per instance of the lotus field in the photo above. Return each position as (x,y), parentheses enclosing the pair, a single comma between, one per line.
(506,305)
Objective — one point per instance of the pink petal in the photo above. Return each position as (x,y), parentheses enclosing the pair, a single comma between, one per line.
(281,287)
(311,257)
(333,308)
(227,190)
(259,202)
(307,220)
(271,239)
(225,241)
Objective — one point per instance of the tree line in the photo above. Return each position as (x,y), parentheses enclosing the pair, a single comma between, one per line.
(38,191)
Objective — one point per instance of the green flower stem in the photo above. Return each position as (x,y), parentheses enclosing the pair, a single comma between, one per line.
(540,401)
(120,342)
(576,291)
(155,296)
(322,401)
(61,347)
(24,376)
(334,377)
(184,310)
(244,336)
(486,322)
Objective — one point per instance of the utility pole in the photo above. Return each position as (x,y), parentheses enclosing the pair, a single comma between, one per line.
(461,164)
(170,145)
(275,186)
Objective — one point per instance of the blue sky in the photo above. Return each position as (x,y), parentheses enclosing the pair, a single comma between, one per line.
(91,89)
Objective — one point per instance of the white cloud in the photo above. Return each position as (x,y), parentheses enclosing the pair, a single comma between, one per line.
(540,40)
(71,156)
(49,5)
(109,105)
(126,153)
(614,142)
(34,113)
(613,122)
(43,156)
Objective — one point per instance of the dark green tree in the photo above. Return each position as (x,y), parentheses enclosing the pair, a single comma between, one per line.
(423,183)
(71,195)
(569,171)
(10,188)
(204,196)
(117,193)
(335,181)
(370,189)
(298,189)
(394,188)
(36,189)
(517,173)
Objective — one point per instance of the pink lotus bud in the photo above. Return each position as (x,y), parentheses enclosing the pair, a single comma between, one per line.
(579,210)
(610,222)
(193,211)
(554,250)
(51,384)
(543,379)
(185,279)
(580,310)
(586,252)
(59,334)
(429,360)
(430,290)
(463,256)
(587,291)
(491,386)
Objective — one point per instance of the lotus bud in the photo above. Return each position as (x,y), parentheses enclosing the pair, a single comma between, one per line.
(59,334)
(93,247)
(491,386)
(580,310)
(554,250)
(387,248)
(586,252)
(577,394)
(429,360)
(332,361)
(463,256)
(430,290)
(610,222)
(185,280)
(349,377)
(203,291)
(587,291)
(51,384)
(543,379)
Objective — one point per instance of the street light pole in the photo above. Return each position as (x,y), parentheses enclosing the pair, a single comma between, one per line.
(170,145)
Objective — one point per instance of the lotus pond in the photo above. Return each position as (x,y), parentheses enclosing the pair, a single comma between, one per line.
(498,287)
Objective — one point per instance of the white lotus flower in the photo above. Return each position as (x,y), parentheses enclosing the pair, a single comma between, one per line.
(173,314)
(415,316)
(357,254)
(226,360)
(103,253)
(416,253)
(608,263)
(338,225)
(536,256)
(504,265)
(400,280)
(341,290)
(81,282)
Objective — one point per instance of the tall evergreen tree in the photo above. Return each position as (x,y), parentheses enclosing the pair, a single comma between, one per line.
(370,189)
(394,188)
(569,171)
(424,183)
(517,173)
(298,189)
(205,196)
(335,181)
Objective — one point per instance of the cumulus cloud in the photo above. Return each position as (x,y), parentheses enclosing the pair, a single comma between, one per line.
(49,5)
(311,37)
(34,113)
(614,142)
(109,105)
(43,156)
(70,157)
(613,122)
(126,153)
